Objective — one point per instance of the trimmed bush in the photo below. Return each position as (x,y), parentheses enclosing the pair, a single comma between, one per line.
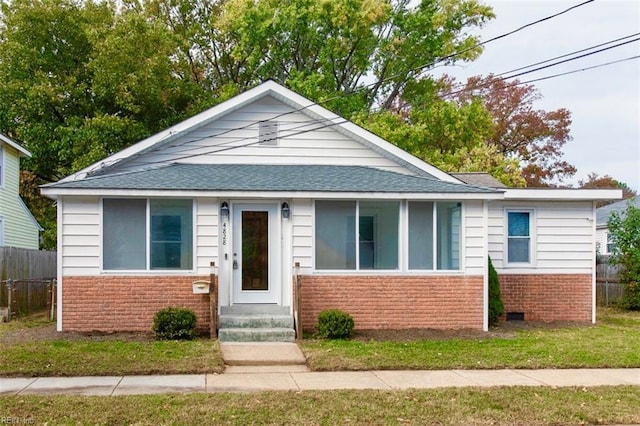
(174,324)
(496,308)
(334,324)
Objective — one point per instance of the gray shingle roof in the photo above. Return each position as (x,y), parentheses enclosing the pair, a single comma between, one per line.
(270,178)
(479,179)
(603,213)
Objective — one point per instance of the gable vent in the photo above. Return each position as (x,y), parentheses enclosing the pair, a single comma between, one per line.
(268,133)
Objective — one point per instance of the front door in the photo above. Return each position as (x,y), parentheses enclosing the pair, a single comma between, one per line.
(255,254)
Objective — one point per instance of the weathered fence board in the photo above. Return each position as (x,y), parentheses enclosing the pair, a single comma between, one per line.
(23,297)
(21,264)
(609,289)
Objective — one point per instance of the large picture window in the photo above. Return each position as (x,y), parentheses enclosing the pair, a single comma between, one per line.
(373,241)
(518,237)
(129,244)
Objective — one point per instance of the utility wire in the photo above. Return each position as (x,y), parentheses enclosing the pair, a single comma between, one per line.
(445,58)
(227,146)
(332,123)
(505,77)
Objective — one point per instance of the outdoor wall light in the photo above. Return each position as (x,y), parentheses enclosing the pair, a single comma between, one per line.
(285,210)
(224,210)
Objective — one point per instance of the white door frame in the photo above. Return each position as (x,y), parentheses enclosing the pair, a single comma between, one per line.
(274,293)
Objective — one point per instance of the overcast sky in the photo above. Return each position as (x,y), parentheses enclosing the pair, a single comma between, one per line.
(604,102)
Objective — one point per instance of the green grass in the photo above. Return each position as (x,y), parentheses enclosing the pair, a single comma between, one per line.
(77,355)
(84,358)
(468,406)
(613,342)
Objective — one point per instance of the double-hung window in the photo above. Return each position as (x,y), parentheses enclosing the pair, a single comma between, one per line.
(140,234)
(519,236)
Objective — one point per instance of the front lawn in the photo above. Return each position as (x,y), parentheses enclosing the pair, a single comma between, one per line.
(465,406)
(32,347)
(613,342)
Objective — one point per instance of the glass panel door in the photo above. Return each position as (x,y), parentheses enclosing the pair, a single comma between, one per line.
(255,250)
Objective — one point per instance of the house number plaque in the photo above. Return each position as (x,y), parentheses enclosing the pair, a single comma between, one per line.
(224,233)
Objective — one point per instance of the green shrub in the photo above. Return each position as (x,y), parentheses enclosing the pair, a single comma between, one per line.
(623,230)
(496,308)
(174,324)
(334,324)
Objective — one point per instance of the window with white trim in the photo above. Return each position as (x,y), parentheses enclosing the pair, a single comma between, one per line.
(141,234)
(611,245)
(519,236)
(373,241)
(1,231)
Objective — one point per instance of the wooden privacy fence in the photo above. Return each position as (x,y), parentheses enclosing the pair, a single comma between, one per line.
(23,297)
(21,264)
(609,289)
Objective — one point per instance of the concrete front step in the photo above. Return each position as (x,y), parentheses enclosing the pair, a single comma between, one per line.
(255,309)
(255,321)
(256,334)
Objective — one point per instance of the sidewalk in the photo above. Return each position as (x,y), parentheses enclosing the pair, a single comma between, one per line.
(296,378)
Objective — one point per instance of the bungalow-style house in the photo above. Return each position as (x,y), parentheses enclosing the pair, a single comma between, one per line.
(604,245)
(274,189)
(18,227)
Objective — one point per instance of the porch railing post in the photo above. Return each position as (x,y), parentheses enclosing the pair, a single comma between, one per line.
(297,301)
(213,302)
(10,298)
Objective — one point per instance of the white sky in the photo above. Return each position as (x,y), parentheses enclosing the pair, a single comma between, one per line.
(604,102)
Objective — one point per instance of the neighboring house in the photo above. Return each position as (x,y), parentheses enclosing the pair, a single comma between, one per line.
(18,227)
(269,180)
(604,244)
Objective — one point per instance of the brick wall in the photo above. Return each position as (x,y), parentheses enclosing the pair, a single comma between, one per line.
(127,303)
(396,302)
(548,297)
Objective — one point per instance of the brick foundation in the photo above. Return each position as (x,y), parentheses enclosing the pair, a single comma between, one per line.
(548,297)
(127,303)
(396,302)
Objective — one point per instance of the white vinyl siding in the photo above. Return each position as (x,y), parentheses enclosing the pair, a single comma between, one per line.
(20,230)
(562,236)
(80,235)
(206,234)
(1,166)
(302,224)
(233,139)
(474,238)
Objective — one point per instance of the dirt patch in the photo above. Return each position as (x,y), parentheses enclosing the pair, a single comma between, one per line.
(37,329)
(505,330)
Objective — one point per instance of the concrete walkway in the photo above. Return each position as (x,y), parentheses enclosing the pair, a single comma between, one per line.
(296,378)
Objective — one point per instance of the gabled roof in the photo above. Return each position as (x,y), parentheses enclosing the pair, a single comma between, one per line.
(288,97)
(479,179)
(603,213)
(21,151)
(270,178)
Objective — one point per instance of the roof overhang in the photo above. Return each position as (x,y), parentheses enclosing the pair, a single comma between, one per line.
(21,151)
(555,194)
(133,193)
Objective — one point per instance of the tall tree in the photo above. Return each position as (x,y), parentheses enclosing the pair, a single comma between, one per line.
(72,92)
(606,182)
(325,49)
(533,136)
